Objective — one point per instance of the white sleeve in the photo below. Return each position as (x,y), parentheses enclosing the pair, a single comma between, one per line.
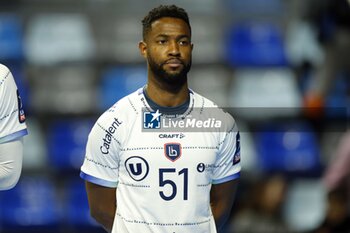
(12,117)
(101,162)
(228,163)
(11,155)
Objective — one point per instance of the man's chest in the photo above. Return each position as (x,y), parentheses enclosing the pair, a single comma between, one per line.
(148,157)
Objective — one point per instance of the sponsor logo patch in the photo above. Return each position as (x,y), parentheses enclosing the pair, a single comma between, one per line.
(21,115)
(151,120)
(201,167)
(137,167)
(237,155)
(172,151)
(172,135)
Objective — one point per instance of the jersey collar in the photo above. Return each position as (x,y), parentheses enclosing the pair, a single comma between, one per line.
(182,109)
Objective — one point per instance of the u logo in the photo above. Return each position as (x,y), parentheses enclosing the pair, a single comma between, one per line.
(135,171)
(137,167)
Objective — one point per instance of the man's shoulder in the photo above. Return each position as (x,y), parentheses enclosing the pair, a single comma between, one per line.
(8,90)
(4,71)
(5,75)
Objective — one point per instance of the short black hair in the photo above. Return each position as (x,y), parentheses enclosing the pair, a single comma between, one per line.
(161,11)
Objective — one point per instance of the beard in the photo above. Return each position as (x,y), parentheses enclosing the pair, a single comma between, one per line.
(169,81)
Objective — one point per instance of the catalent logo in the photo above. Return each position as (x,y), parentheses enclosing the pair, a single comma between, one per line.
(109,136)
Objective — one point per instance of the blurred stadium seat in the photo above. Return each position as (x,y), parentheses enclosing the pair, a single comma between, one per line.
(262,93)
(76,208)
(302,45)
(118,82)
(305,205)
(68,89)
(117,38)
(252,44)
(254,7)
(66,144)
(11,38)
(34,155)
(31,207)
(338,100)
(289,147)
(211,81)
(199,7)
(207,39)
(56,38)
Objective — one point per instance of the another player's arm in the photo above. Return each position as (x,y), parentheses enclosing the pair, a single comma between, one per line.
(102,202)
(11,154)
(221,200)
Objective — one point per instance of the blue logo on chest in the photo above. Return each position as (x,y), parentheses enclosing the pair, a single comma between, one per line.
(172,151)
(137,167)
(151,120)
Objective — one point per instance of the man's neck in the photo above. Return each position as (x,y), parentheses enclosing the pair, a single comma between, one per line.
(165,98)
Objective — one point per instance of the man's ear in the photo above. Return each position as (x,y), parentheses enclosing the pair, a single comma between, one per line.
(143,48)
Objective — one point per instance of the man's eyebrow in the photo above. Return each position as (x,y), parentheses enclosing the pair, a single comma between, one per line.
(177,37)
(162,35)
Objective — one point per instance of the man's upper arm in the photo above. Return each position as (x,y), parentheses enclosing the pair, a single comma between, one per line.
(222,197)
(224,193)
(226,173)
(228,162)
(101,199)
(102,203)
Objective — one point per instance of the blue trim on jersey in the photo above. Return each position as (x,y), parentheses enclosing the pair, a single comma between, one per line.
(98,181)
(14,136)
(180,109)
(228,178)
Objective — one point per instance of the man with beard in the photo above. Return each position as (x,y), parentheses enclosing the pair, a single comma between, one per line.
(142,179)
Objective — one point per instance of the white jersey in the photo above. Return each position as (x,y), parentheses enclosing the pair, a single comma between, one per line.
(163,179)
(12,118)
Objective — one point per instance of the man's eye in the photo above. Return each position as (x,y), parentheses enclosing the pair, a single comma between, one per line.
(184,42)
(161,41)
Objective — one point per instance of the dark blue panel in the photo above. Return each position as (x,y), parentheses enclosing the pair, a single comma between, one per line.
(76,209)
(11,38)
(253,44)
(66,143)
(32,206)
(291,148)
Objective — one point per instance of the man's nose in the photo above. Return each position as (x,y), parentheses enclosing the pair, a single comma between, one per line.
(174,49)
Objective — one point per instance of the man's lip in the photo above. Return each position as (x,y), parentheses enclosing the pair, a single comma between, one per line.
(174,65)
(173,61)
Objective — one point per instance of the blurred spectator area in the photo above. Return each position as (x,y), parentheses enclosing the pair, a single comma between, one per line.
(72,60)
